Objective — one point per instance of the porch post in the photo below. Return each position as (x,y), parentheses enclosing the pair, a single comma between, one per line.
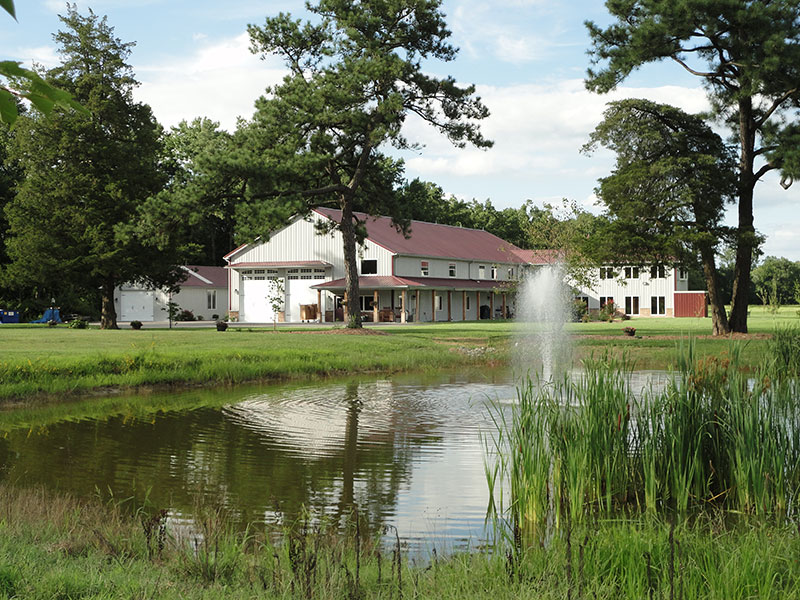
(320,308)
(344,310)
(375,306)
(478,305)
(433,306)
(403,306)
(491,305)
(416,302)
(464,305)
(504,305)
(449,313)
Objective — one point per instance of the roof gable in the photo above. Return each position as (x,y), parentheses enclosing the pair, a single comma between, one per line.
(434,240)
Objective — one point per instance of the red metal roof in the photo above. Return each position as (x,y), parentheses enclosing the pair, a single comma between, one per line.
(434,240)
(539,257)
(204,276)
(387,282)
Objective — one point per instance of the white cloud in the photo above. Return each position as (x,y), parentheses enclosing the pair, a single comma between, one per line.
(45,56)
(220,81)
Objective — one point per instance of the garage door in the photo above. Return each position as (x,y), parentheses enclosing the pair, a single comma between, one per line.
(136,306)
(298,291)
(255,301)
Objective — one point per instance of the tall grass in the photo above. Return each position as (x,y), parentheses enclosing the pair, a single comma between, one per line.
(714,437)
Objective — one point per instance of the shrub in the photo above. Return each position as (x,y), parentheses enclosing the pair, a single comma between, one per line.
(79,324)
(608,311)
(579,310)
(136,324)
(185,315)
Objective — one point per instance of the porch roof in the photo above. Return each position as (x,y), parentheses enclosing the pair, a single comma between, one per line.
(391,282)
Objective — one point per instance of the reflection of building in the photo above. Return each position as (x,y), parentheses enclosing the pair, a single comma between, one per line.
(204,292)
(439,273)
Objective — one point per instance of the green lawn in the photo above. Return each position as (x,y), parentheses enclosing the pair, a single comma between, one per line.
(41,359)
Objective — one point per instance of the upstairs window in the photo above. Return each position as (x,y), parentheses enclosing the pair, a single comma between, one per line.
(606,273)
(481,272)
(511,273)
(494,271)
(631,272)
(683,273)
(452,270)
(423,268)
(657,272)
(369,266)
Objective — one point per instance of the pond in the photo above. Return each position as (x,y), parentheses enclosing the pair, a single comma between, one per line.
(407,452)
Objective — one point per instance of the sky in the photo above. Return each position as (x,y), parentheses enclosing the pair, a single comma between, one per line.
(527,59)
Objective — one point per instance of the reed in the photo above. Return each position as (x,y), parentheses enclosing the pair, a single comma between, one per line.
(583,447)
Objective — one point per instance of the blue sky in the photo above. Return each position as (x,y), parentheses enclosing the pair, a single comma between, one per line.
(527,58)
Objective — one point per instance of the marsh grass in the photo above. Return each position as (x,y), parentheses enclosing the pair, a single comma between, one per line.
(714,439)
(55,546)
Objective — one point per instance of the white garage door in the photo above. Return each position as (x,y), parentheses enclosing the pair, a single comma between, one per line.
(298,291)
(136,306)
(255,301)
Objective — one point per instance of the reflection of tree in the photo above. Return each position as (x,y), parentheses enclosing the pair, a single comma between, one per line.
(175,459)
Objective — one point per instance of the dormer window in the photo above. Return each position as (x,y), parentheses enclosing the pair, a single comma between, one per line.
(494,271)
(452,270)
(423,268)
(481,272)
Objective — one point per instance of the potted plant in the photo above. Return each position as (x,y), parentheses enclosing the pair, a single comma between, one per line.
(631,331)
(136,324)
(221,326)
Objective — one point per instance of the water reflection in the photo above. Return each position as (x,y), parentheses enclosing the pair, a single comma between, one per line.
(406,452)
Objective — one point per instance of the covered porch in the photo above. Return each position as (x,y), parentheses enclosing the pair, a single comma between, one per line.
(412,299)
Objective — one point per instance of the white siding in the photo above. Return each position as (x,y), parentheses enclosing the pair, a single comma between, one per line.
(299,241)
(409,266)
(644,287)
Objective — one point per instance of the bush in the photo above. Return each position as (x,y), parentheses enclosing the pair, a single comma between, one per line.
(79,324)
(136,324)
(185,315)
(580,310)
(608,311)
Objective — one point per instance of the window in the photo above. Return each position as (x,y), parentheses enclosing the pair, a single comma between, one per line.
(369,266)
(511,273)
(467,302)
(657,272)
(259,271)
(365,302)
(583,299)
(423,268)
(658,305)
(494,272)
(683,273)
(631,272)
(606,273)
(211,299)
(452,270)
(293,271)
(606,300)
(481,272)
(631,305)
(438,302)
(272,271)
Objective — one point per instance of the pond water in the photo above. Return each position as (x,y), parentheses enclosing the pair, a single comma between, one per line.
(406,452)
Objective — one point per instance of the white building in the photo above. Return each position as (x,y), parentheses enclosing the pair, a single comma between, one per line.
(440,273)
(204,292)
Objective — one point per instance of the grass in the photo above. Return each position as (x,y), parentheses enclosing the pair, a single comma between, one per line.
(40,360)
(54,546)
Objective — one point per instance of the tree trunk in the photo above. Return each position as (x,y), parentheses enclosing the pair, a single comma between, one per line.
(108,318)
(746,238)
(352,309)
(719,319)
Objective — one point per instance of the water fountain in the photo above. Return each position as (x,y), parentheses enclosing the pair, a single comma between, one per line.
(544,305)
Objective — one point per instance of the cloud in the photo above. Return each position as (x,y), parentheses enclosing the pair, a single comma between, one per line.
(220,80)
(45,56)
